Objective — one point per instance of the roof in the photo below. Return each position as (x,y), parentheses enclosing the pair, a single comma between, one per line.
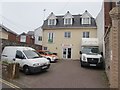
(30,33)
(19,47)
(7,29)
(77,23)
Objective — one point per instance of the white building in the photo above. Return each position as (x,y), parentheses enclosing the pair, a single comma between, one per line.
(100,28)
(38,36)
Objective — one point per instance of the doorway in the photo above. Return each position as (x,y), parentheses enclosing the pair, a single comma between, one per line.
(66,53)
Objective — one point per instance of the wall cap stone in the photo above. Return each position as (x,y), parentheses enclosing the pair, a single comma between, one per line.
(115,13)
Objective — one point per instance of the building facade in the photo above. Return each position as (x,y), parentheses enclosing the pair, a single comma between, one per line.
(38,33)
(6,33)
(3,33)
(26,38)
(63,34)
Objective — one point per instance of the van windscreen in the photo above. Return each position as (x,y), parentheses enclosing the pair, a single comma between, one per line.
(31,54)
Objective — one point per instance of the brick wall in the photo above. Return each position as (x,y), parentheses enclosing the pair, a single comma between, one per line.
(108,45)
(107,7)
(11,36)
(111,48)
(29,39)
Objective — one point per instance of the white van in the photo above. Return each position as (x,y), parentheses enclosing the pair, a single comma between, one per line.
(27,57)
(90,54)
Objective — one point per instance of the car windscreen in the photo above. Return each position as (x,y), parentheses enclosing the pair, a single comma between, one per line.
(49,53)
(31,54)
(90,50)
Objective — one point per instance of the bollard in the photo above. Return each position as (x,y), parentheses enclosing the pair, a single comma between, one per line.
(13,70)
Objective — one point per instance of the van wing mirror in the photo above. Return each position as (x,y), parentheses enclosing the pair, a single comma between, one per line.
(102,53)
(80,52)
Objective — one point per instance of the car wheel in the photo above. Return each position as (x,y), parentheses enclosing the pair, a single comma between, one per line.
(49,59)
(26,70)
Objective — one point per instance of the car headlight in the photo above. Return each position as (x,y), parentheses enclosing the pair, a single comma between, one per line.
(101,59)
(36,64)
(53,57)
(84,58)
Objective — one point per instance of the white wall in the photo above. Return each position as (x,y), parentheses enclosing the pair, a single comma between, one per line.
(100,28)
(37,33)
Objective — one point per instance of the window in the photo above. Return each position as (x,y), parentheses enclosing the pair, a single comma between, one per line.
(19,55)
(45,48)
(39,38)
(85,34)
(22,38)
(118,3)
(67,34)
(50,37)
(68,21)
(85,20)
(51,22)
(30,54)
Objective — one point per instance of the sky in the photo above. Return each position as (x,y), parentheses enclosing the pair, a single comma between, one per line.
(27,15)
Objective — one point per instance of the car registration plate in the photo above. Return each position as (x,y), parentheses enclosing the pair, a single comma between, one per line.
(44,67)
(92,64)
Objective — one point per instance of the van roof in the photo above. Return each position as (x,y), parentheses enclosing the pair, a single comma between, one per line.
(20,47)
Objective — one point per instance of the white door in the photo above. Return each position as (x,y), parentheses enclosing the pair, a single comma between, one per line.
(66,53)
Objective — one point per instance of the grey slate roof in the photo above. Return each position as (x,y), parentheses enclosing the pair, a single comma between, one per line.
(77,20)
(30,33)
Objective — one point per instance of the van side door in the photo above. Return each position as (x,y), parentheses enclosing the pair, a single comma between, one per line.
(19,58)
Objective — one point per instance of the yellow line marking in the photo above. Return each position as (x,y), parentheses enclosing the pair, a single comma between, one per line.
(8,83)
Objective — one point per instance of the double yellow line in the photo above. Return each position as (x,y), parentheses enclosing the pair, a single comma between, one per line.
(10,84)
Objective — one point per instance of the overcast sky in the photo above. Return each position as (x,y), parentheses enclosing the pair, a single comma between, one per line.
(24,16)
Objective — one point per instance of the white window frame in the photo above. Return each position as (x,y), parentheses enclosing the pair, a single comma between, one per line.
(67,52)
(22,38)
(85,35)
(51,37)
(52,22)
(67,21)
(118,3)
(39,38)
(67,34)
(86,20)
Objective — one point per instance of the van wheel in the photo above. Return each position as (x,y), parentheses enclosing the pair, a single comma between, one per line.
(82,64)
(26,70)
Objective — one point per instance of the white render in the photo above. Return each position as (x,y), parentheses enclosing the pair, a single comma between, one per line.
(100,28)
(37,33)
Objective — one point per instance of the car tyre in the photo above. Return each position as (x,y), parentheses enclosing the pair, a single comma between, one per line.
(26,70)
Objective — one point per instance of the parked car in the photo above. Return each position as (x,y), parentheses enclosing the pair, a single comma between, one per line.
(27,57)
(49,55)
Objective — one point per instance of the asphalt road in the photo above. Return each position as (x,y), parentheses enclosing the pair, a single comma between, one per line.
(65,74)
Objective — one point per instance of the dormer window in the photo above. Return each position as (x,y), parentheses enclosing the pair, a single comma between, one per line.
(86,17)
(68,21)
(86,20)
(68,18)
(52,22)
(52,19)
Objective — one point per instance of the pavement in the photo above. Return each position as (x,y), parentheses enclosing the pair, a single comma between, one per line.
(64,74)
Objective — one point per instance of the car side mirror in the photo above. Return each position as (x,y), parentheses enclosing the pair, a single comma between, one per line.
(80,52)
(102,53)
